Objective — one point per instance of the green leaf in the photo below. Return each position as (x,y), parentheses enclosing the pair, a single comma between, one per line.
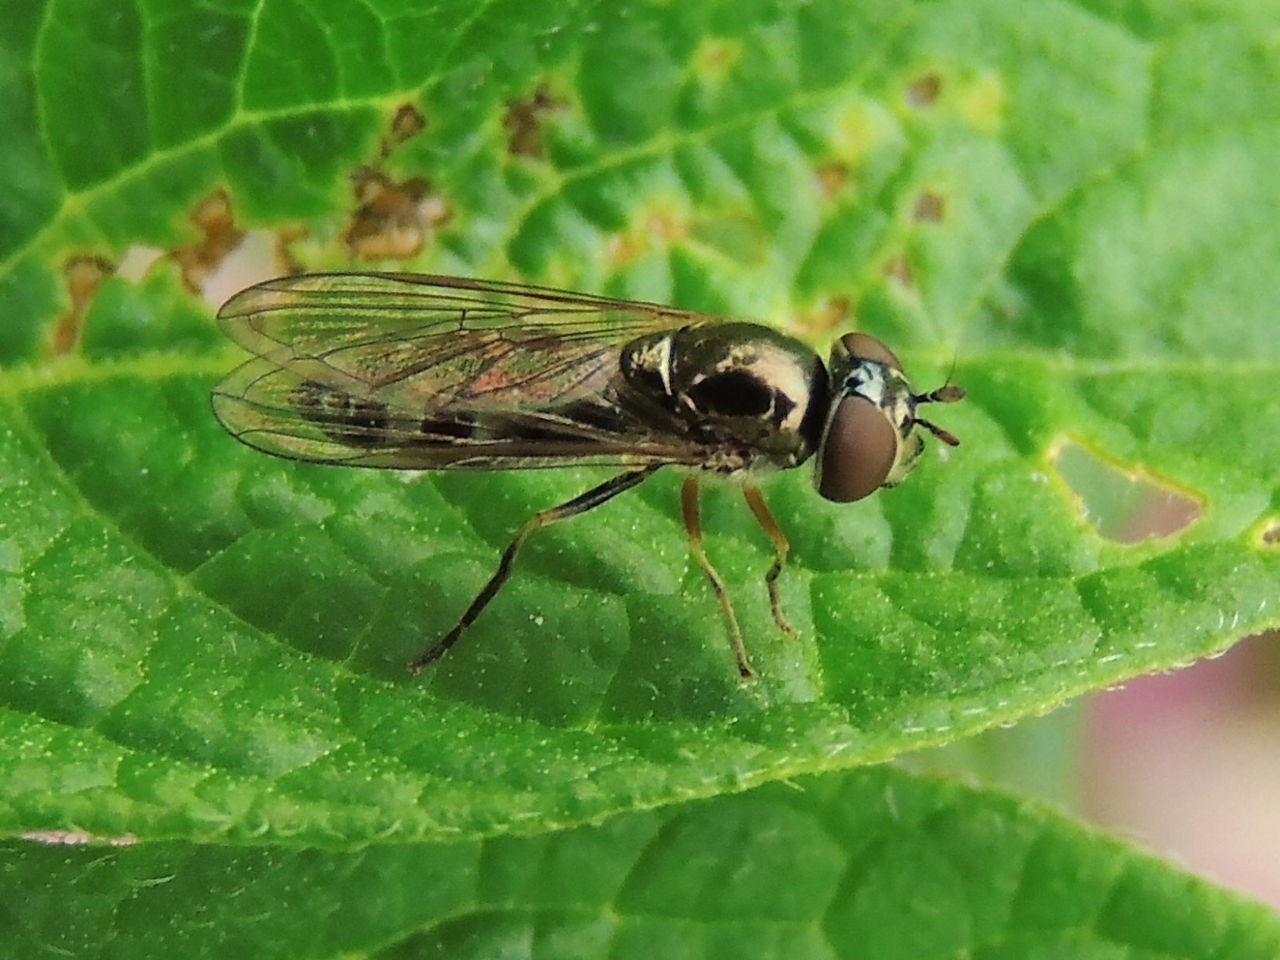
(874,863)
(1067,203)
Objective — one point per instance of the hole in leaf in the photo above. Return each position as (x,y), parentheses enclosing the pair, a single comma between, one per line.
(225,260)
(524,121)
(924,91)
(137,260)
(1124,505)
(260,256)
(84,275)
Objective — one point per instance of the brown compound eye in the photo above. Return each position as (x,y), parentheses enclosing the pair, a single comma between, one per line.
(858,450)
(867,347)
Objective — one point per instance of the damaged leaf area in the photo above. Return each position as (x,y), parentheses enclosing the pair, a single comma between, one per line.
(220,236)
(393,219)
(1063,208)
(524,119)
(1124,505)
(83,277)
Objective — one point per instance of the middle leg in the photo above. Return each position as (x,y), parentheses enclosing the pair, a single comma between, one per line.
(764,516)
(693,526)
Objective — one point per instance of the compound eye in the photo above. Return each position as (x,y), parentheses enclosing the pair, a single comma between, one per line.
(858,451)
(867,347)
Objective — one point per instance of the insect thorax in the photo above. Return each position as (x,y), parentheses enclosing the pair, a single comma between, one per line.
(750,394)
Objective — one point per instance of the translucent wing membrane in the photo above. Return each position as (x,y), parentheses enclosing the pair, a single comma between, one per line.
(425,372)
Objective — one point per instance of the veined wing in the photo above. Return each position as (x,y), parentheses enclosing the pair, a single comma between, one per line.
(448,337)
(428,372)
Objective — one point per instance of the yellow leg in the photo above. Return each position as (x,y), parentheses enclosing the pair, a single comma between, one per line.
(693,526)
(764,516)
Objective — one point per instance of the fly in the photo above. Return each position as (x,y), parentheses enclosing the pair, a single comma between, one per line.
(423,372)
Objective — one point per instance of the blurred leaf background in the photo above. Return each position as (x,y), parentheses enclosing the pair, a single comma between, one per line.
(209,743)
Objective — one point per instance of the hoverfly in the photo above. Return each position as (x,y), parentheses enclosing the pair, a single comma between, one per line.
(423,372)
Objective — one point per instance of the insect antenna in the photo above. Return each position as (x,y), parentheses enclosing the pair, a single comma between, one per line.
(947,393)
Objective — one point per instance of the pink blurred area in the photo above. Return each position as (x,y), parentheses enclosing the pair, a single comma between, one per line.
(1188,765)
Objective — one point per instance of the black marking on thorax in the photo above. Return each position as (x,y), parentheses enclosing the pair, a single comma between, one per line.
(744,391)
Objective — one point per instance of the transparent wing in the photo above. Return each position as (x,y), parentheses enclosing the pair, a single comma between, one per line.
(431,372)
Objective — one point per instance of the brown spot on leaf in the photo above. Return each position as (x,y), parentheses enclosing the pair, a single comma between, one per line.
(832,176)
(392,218)
(214,218)
(924,90)
(899,269)
(84,275)
(930,208)
(1271,535)
(524,120)
(406,124)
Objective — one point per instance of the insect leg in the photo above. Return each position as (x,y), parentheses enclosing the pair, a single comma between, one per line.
(764,516)
(693,526)
(580,504)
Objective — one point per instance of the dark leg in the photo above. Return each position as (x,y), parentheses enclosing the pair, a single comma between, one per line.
(755,500)
(693,526)
(581,504)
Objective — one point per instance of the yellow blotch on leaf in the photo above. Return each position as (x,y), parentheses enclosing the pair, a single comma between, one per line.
(714,59)
(982,102)
(659,225)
